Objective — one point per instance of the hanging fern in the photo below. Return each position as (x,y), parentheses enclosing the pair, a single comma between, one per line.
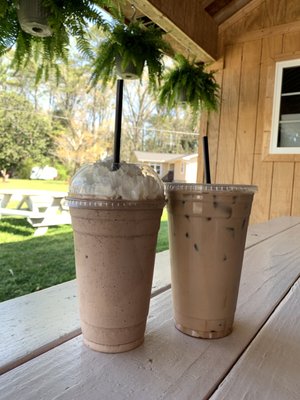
(132,44)
(189,79)
(66,18)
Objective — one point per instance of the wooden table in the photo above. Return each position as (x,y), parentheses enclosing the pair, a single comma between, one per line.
(43,208)
(43,357)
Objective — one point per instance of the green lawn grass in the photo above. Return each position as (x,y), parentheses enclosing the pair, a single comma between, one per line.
(29,263)
(55,186)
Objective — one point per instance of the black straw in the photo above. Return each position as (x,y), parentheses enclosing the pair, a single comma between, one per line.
(206,160)
(118,124)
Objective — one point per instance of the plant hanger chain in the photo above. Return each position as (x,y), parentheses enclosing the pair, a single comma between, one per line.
(133,17)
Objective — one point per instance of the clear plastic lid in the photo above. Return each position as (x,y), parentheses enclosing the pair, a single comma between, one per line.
(104,180)
(205,187)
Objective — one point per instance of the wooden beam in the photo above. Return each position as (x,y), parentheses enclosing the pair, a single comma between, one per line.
(186,22)
(229,10)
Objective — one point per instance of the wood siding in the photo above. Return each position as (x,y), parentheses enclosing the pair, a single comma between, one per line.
(250,43)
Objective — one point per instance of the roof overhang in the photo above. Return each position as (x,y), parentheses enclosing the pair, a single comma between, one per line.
(189,29)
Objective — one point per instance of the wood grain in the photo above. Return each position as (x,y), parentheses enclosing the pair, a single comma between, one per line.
(169,365)
(296,191)
(35,323)
(209,125)
(282,189)
(275,12)
(245,139)
(275,353)
(229,114)
(186,22)
(262,177)
(291,42)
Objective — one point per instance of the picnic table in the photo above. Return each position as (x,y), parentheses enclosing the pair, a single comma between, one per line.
(42,208)
(42,355)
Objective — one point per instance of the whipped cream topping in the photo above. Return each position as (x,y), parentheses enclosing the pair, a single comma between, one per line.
(128,182)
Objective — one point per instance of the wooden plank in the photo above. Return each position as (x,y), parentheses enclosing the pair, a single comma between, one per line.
(169,364)
(270,47)
(214,129)
(186,22)
(282,189)
(40,314)
(245,24)
(260,232)
(293,11)
(52,220)
(226,12)
(35,323)
(239,16)
(229,114)
(273,359)
(296,191)
(275,12)
(210,126)
(245,140)
(21,213)
(291,41)
(262,177)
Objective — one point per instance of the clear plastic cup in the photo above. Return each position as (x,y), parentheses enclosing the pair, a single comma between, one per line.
(115,232)
(207,233)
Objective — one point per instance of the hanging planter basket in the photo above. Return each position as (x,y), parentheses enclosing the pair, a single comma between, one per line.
(33,18)
(129,71)
(127,50)
(188,83)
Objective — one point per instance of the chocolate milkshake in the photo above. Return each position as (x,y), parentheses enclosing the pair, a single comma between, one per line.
(207,233)
(115,241)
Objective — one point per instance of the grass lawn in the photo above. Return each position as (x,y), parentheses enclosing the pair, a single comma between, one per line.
(55,186)
(29,263)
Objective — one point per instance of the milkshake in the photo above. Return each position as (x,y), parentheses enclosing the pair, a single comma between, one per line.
(207,233)
(115,218)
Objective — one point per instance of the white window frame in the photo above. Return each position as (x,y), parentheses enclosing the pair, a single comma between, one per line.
(274,149)
(157,167)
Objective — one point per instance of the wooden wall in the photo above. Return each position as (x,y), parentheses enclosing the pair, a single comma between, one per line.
(250,44)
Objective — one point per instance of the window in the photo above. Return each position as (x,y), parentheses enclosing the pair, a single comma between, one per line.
(156,168)
(285,135)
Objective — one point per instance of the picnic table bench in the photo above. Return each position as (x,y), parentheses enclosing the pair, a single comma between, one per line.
(42,355)
(43,208)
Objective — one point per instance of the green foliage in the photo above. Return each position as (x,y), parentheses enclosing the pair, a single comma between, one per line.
(24,133)
(23,170)
(189,83)
(28,263)
(67,18)
(133,43)
(63,172)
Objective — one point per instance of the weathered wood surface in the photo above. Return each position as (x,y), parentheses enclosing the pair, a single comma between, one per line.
(40,321)
(170,365)
(35,323)
(269,369)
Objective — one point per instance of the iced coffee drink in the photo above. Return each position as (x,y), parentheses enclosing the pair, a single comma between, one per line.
(207,233)
(116,218)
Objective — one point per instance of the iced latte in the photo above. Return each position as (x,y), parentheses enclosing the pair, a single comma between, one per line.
(207,232)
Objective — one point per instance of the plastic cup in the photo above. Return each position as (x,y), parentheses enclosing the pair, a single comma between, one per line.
(115,243)
(207,233)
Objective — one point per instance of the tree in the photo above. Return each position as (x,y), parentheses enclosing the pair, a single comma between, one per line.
(139,106)
(24,133)
(77,145)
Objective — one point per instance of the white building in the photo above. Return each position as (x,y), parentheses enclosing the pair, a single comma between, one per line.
(176,167)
